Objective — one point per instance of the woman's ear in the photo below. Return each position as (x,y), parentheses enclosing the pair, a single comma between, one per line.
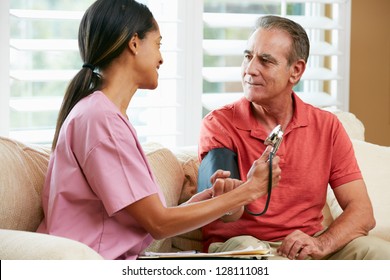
(297,71)
(134,44)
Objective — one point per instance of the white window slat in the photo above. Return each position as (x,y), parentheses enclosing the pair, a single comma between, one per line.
(61,45)
(44,45)
(42,75)
(316,22)
(320,99)
(33,135)
(67,15)
(46,14)
(233,74)
(236,47)
(324,49)
(64,75)
(320,74)
(225,20)
(39,104)
(35,104)
(216,100)
(224,47)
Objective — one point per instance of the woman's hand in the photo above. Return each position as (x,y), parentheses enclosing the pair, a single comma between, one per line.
(259,172)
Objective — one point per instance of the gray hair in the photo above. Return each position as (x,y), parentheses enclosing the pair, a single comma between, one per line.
(300,47)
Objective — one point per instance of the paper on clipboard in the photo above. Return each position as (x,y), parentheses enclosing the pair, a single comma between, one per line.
(249,251)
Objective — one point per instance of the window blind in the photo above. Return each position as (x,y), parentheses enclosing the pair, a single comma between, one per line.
(202,47)
(228,24)
(43,57)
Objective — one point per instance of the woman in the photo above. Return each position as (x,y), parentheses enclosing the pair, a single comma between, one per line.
(99,187)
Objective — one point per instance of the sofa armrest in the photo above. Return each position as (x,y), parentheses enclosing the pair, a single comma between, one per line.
(25,245)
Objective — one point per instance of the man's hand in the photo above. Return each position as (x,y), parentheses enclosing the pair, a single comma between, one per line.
(221,184)
(298,245)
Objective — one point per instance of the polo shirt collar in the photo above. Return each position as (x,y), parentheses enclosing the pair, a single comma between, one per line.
(244,119)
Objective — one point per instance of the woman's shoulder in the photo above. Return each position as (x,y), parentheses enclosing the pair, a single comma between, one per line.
(94,107)
(97,115)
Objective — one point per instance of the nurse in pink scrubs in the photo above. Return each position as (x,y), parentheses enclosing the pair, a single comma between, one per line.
(99,187)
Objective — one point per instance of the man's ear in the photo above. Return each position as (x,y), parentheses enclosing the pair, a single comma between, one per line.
(134,44)
(297,70)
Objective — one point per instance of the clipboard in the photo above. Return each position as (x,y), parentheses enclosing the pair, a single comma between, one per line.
(247,253)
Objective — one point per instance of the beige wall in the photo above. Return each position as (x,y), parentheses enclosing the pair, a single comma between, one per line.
(370,68)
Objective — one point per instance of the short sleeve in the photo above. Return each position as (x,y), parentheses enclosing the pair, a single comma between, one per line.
(214,134)
(344,167)
(117,169)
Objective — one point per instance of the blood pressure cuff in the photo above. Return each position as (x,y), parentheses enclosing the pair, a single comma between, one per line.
(220,158)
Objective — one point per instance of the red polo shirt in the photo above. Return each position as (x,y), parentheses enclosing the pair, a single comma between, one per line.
(315,151)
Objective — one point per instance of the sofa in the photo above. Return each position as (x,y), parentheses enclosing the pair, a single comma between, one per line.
(23,168)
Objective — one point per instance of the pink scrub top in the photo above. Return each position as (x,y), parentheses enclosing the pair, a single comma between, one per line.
(97,169)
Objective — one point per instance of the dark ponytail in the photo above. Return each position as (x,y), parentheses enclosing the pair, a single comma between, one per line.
(104,32)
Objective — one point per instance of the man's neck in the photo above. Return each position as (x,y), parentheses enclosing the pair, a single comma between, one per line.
(280,111)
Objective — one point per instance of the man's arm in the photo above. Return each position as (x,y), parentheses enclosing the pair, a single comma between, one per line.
(356,220)
(217,159)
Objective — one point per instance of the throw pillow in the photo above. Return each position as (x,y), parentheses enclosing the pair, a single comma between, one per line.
(190,164)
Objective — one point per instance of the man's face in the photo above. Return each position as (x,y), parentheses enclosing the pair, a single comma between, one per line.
(265,71)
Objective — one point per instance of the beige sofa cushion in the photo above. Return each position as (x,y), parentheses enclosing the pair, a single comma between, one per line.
(22,171)
(24,245)
(374,162)
(163,162)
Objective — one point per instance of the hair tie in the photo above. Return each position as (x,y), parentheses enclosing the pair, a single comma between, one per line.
(88,65)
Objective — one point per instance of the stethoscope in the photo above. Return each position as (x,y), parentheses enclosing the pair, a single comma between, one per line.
(274,139)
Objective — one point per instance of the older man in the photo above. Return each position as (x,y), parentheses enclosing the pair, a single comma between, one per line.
(315,151)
